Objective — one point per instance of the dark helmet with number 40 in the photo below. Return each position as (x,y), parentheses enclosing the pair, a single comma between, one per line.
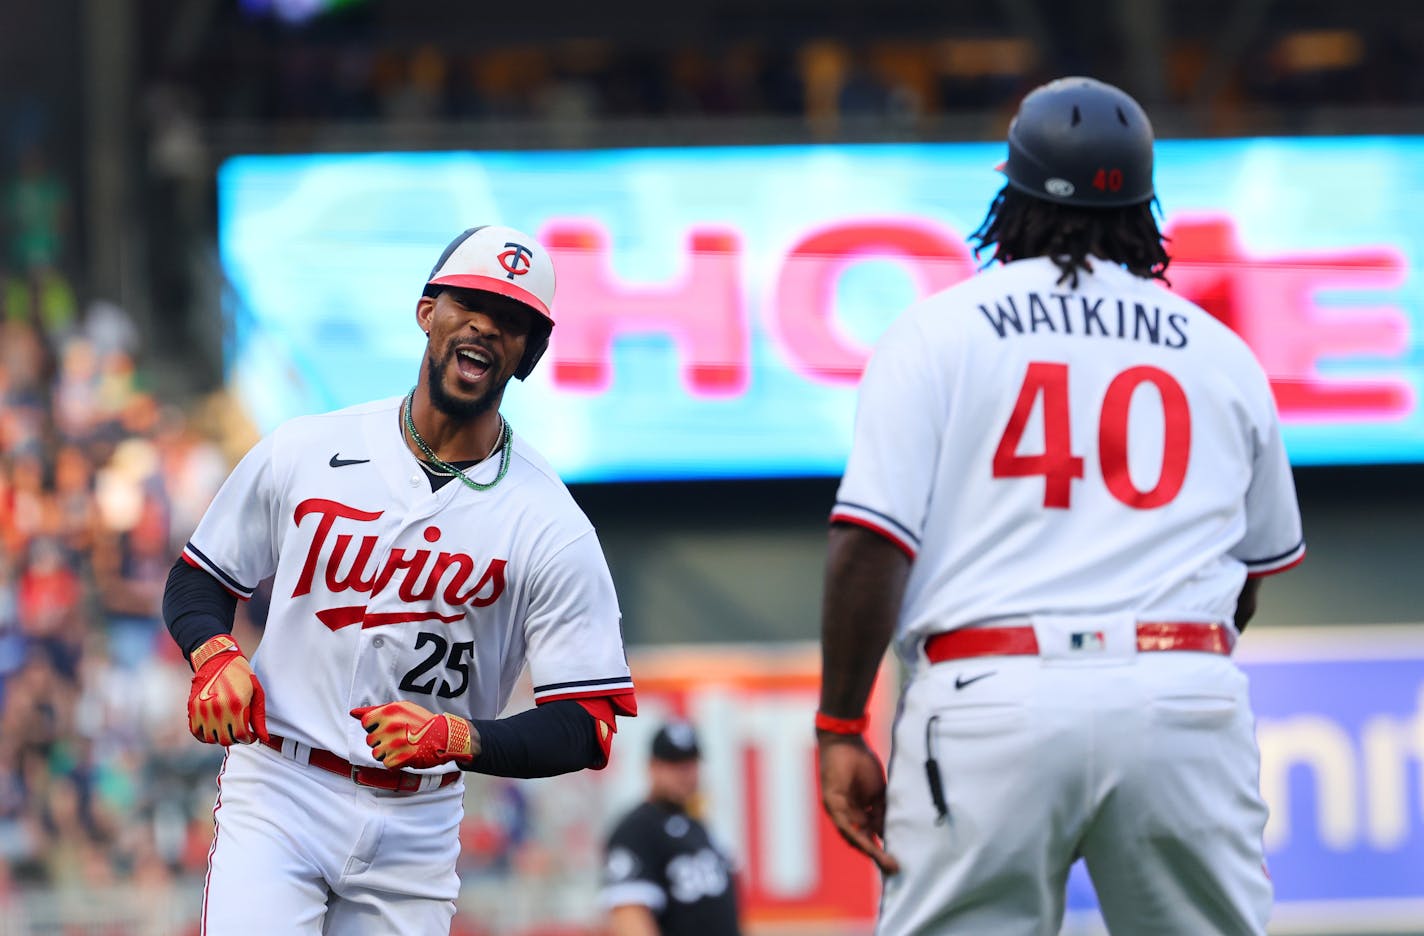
(1079,141)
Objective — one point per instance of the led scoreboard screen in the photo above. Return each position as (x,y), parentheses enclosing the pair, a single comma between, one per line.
(715,306)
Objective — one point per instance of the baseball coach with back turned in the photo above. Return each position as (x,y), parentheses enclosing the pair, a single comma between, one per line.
(1064,487)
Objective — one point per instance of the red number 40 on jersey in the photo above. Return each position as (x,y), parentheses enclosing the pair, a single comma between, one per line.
(1059,466)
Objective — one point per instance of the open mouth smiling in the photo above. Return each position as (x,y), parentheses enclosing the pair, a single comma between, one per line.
(472,363)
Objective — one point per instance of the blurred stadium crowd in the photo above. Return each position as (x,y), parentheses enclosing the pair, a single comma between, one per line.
(99,482)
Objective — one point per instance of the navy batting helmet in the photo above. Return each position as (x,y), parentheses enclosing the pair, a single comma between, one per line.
(1078,141)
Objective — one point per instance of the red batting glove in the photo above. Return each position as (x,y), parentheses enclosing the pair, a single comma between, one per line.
(226,704)
(402,734)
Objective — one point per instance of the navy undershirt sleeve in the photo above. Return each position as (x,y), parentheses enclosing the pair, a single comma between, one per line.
(556,738)
(196,607)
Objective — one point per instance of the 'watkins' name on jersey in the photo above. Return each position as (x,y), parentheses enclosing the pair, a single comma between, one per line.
(421,572)
(1073,314)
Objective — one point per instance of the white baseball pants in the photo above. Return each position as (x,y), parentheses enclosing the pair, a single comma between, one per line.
(1143,763)
(300,850)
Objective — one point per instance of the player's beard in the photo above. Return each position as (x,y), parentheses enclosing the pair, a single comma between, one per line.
(458,407)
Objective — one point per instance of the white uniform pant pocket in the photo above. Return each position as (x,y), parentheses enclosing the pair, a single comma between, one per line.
(991,863)
(1175,846)
(1147,770)
(302,851)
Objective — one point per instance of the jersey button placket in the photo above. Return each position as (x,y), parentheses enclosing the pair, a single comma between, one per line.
(375,667)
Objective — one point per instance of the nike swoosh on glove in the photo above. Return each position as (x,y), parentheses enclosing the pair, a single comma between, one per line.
(402,734)
(226,704)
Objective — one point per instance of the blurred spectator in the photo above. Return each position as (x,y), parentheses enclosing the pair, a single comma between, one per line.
(42,294)
(71,840)
(11,641)
(352,94)
(192,467)
(496,827)
(110,329)
(76,402)
(418,87)
(133,551)
(49,606)
(25,499)
(862,93)
(74,504)
(36,212)
(24,355)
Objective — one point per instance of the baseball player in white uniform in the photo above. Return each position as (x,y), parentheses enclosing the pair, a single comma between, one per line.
(422,554)
(1064,485)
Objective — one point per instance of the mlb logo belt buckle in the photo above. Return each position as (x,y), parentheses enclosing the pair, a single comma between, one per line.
(1087,640)
(965,642)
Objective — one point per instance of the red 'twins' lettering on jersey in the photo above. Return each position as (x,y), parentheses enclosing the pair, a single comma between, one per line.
(373,572)
(328,554)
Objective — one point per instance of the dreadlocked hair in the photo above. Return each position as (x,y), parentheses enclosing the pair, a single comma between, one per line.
(1019,226)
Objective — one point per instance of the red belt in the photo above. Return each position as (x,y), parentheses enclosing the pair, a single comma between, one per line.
(1021,641)
(397,781)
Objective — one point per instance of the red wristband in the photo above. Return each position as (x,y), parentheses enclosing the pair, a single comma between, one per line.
(847,726)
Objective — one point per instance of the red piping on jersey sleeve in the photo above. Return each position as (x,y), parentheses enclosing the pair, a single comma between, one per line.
(1289,565)
(189,559)
(903,546)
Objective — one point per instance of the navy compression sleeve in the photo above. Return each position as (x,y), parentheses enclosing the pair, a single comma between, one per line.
(196,607)
(551,739)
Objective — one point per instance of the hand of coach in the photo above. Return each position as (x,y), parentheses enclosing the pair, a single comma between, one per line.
(402,734)
(853,795)
(226,704)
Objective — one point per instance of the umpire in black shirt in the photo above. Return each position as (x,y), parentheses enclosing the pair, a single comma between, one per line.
(662,875)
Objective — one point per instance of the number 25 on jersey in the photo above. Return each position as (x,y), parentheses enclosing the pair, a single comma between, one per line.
(1057,463)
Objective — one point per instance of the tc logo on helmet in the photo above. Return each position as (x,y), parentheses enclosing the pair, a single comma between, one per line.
(1059,187)
(512,259)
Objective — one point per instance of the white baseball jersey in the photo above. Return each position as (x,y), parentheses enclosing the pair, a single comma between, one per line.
(384,590)
(1122,453)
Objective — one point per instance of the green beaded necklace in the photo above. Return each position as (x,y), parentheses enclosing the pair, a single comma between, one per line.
(505,448)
